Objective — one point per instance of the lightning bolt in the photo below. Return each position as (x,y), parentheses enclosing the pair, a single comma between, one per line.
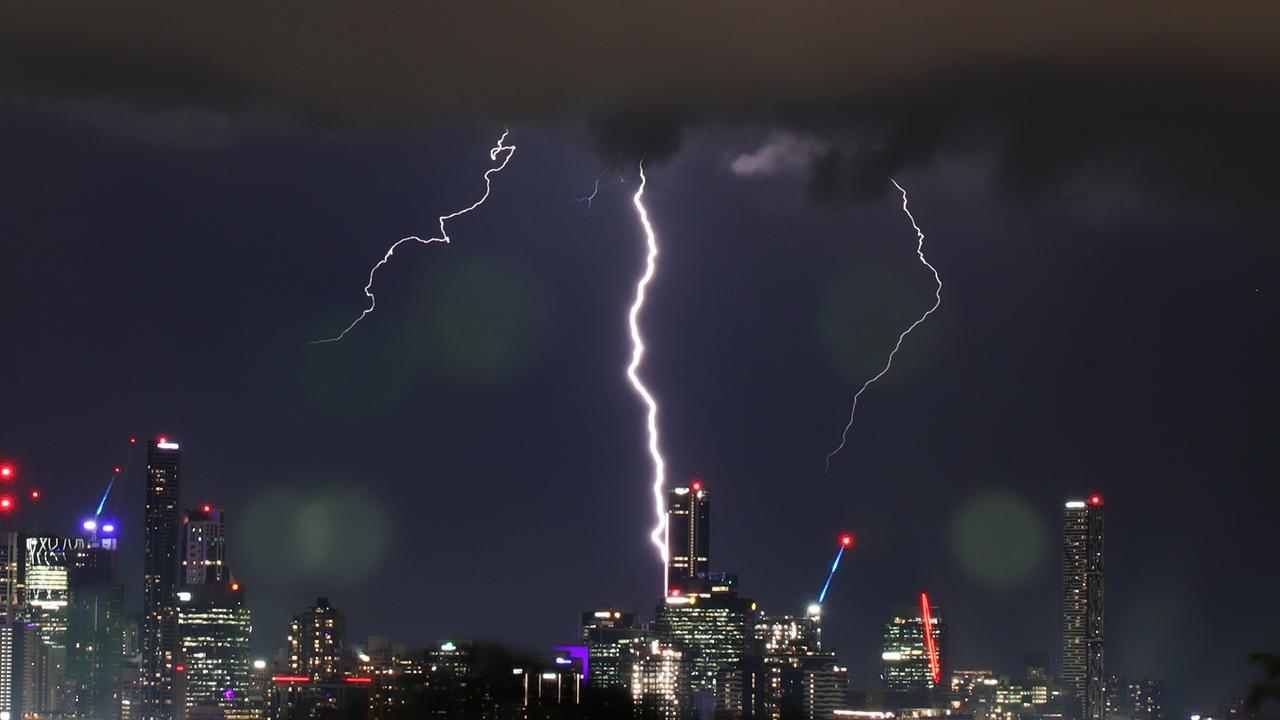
(658,536)
(588,199)
(937,294)
(500,150)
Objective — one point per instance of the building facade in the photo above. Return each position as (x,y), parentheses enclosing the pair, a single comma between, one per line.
(1083,566)
(214,627)
(317,640)
(688,538)
(97,638)
(204,546)
(907,663)
(613,642)
(160,579)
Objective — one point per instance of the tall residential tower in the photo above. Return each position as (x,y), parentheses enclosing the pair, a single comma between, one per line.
(160,579)
(1082,614)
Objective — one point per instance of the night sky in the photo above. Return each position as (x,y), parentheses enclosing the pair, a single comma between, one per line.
(186,201)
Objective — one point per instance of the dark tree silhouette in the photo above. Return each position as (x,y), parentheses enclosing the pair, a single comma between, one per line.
(1268,688)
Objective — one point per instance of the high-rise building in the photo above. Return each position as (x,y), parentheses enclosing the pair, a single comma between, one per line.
(712,627)
(160,579)
(95,663)
(1083,677)
(45,681)
(688,538)
(12,557)
(1139,700)
(214,625)
(612,641)
(204,546)
(317,639)
(913,659)
(131,670)
(794,678)
(660,683)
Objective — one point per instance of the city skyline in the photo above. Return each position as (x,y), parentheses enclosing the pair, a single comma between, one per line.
(202,546)
(655,242)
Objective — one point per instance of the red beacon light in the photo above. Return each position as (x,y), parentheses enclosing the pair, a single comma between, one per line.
(207,508)
(675,592)
(846,540)
(696,485)
(1095,499)
(35,494)
(133,441)
(7,472)
(6,503)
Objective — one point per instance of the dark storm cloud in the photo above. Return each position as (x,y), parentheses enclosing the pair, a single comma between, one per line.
(1175,97)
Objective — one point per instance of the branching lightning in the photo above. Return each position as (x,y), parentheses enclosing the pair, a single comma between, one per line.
(500,150)
(588,199)
(658,536)
(844,437)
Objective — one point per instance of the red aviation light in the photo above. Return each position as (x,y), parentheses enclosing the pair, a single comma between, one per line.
(235,587)
(35,494)
(696,485)
(133,441)
(180,668)
(207,508)
(846,540)
(1095,499)
(8,472)
(935,668)
(6,503)
(675,592)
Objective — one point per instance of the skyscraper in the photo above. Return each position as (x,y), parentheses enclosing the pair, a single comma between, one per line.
(613,641)
(203,546)
(160,579)
(688,538)
(913,659)
(12,556)
(1082,607)
(317,639)
(214,625)
(95,661)
(46,684)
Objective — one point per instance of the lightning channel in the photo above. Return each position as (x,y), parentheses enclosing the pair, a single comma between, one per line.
(588,199)
(937,295)
(658,535)
(500,150)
